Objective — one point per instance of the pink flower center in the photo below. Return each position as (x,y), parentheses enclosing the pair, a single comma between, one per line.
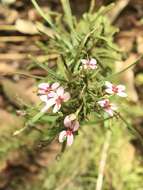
(107,105)
(69,132)
(115,89)
(59,100)
(45,90)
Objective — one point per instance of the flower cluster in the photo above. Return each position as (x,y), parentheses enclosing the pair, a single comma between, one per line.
(112,90)
(89,63)
(54,95)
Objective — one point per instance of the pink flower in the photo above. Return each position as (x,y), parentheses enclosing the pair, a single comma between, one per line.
(66,135)
(89,63)
(71,122)
(72,125)
(113,89)
(107,106)
(56,98)
(44,89)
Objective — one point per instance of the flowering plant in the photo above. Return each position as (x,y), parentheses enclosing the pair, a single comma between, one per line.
(76,90)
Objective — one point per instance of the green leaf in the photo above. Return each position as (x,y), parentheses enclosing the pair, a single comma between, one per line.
(45,16)
(68,13)
(52,74)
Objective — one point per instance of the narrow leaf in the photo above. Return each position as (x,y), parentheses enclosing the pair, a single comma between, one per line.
(68,13)
(39,10)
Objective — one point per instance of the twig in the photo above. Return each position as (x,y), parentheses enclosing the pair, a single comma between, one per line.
(103,161)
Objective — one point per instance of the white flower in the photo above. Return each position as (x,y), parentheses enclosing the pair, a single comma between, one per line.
(89,63)
(56,98)
(107,106)
(113,89)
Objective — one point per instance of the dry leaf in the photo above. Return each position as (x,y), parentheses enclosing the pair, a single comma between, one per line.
(5,68)
(18,93)
(26,27)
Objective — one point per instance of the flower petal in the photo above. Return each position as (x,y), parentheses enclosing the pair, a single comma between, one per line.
(122,94)
(70,139)
(62,136)
(121,87)
(43,98)
(108,84)
(109,91)
(52,94)
(110,112)
(84,61)
(67,121)
(55,85)
(60,91)
(93,61)
(43,86)
(49,104)
(101,103)
(76,126)
(56,108)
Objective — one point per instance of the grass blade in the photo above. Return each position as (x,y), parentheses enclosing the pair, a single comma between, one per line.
(68,13)
(39,10)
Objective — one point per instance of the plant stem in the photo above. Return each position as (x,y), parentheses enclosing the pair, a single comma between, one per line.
(103,160)
(92,6)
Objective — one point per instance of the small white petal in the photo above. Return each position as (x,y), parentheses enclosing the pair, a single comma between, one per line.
(67,121)
(121,87)
(101,103)
(76,126)
(93,64)
(62,136)
(70,139)
(52,94)
(49,104)
(55,85)
(122,94)
(108,84)
(109,111)
(56,108)
(93,61)
(109,91)
(84,61)
(43,85)
(43,98)
(60,91)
